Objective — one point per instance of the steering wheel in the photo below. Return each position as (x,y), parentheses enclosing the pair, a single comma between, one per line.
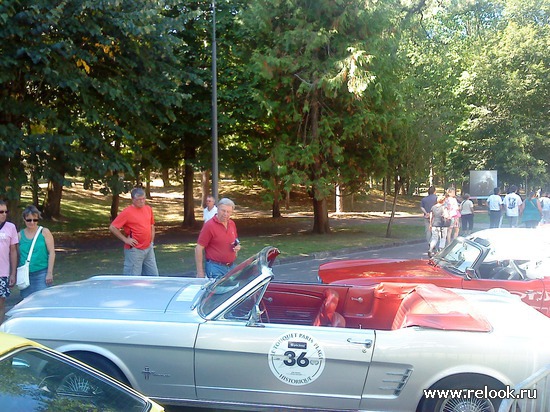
(508,272)
(518,270)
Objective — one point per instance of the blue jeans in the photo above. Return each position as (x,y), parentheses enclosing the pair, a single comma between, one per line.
(513,220)
(214,271)
(140,262)
(37,282)
(494,218)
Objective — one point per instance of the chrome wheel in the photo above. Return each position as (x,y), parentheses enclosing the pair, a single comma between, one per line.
(467,405)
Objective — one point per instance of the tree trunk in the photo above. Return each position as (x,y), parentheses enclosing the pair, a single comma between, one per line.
(394,204)
(165,172)
(12,177)
(205,186)
(287,199)
(148,183)
(52,204)
(115,204)
(320,208)
(321,224)
(385,190)
(35,184)
(276,206)
(339,200)
(188,201)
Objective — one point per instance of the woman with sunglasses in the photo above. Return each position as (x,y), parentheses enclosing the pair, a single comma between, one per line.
(43,255)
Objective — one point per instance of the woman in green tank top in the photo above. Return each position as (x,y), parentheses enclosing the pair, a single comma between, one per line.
(43,256)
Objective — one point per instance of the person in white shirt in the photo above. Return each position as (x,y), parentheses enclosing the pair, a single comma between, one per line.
(210,210)
(494,204)
(512,202)
(467,214)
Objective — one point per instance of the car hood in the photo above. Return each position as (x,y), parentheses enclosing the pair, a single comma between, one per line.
(107,296)
(380,269)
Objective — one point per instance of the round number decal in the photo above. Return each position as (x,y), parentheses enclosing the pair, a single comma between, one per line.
(296,358)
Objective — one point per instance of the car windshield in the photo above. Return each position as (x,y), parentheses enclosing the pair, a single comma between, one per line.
(459,256)
(37,380)
(227,287)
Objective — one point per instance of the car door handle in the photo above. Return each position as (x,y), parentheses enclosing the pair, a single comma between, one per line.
(366,342)
(359,299)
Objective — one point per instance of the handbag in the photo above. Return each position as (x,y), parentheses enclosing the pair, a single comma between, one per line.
(23,271)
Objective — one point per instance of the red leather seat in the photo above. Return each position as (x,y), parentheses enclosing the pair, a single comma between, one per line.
(327,315)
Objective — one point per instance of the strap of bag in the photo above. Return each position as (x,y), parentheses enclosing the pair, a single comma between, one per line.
(33,242)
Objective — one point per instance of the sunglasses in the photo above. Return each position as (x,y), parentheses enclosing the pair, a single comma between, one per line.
(31,220)
(3,211)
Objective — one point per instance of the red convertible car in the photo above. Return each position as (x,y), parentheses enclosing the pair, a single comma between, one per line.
(516,260)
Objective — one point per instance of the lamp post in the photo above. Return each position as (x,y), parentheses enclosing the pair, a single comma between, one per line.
(214,107)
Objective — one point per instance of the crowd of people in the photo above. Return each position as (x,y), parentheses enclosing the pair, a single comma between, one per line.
(445,216)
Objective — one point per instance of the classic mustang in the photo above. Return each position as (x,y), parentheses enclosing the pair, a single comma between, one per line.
(35,378)
(247,343)
(517,260)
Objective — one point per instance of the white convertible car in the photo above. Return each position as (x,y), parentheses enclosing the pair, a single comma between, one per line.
(246,343)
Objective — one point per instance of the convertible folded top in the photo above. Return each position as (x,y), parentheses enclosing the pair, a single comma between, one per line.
(432,307)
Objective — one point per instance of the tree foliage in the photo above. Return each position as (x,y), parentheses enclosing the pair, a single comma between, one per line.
(83,82)
(310,93)
(319,76)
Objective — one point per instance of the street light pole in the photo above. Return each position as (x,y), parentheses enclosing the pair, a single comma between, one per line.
(214,107)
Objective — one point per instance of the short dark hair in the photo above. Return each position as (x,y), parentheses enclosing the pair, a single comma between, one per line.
(431,190)
(496,191)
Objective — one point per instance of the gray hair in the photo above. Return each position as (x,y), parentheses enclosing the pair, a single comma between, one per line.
(227,202)
(31,210)
(137,192)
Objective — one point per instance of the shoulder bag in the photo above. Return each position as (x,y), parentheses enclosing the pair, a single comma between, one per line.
(23,280)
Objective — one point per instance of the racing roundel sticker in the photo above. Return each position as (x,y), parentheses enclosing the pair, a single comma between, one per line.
(296,358)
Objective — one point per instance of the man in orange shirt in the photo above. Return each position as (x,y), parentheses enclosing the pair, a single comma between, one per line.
(135,226)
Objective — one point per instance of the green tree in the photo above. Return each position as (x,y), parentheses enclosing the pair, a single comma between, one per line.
(326,107)
(506,93)
(82,81)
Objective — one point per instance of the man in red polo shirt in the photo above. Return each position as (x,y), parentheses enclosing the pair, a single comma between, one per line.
(135,226)
(218,242)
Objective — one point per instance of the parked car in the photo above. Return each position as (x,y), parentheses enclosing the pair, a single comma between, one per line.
(35,378)
(517,260)
(247,343)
